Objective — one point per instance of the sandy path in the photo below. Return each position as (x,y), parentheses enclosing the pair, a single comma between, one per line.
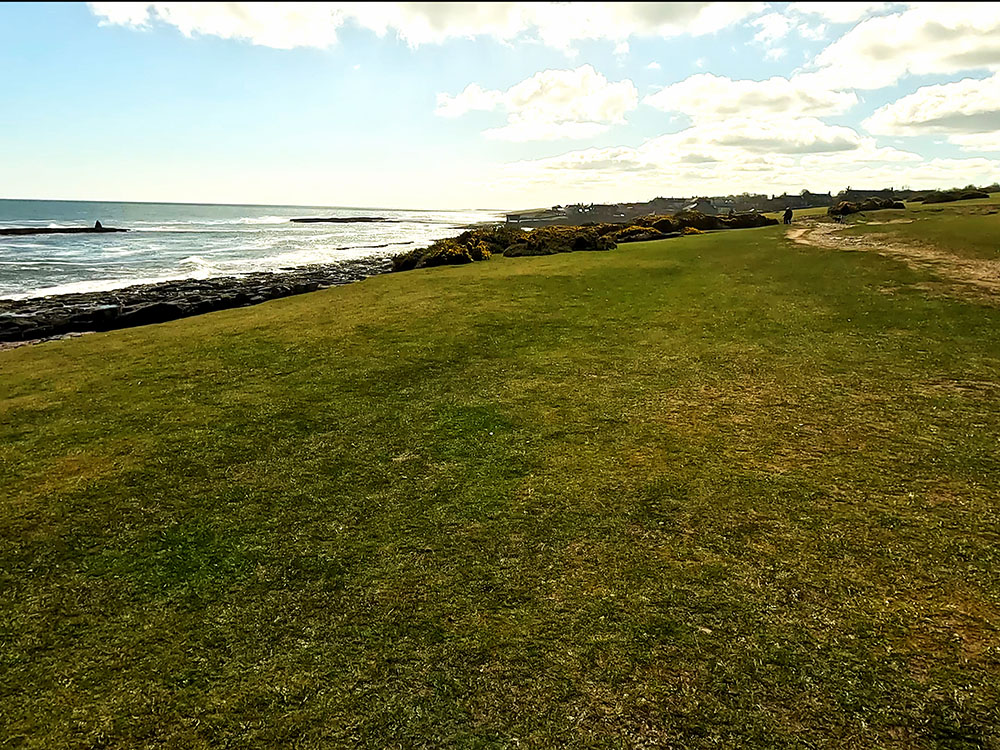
(965,276)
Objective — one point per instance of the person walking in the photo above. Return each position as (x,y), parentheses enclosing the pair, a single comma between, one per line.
(788,215)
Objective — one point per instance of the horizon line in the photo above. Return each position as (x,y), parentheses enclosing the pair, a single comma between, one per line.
(242,205)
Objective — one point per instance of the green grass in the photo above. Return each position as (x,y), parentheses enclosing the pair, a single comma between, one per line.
(715,491)
(968,229)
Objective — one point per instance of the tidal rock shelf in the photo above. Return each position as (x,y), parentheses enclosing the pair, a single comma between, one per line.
(57,230)
(66,314)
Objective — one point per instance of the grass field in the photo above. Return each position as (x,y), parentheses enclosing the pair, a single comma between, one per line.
(715,491)
(967,229)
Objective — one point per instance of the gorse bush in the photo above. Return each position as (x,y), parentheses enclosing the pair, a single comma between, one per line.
(552,240)
(480,244)
(845,208)
(638,234)
(473,245)
(948,196)
(512,242)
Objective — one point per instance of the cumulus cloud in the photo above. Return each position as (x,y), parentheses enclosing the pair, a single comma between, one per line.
(928,38)
(836,12)
(695,162)
(799,135)
(733,142)
(472,98)
(708,96)
(282,26)
(772,27)
(549,105)
(969,106)
(288,25)
(743,153)
(977,141)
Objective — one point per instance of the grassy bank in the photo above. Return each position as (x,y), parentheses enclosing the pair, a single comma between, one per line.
(967,229)
(720,490)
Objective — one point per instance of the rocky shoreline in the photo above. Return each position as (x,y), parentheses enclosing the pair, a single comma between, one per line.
(61,315)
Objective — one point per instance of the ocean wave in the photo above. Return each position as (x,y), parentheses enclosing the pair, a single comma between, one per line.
(199,245)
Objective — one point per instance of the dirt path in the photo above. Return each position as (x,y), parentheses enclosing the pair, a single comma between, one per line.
(969,277)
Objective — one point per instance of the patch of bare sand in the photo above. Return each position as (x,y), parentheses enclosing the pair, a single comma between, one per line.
(967,277)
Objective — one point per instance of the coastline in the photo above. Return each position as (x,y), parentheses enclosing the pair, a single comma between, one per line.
(37,319)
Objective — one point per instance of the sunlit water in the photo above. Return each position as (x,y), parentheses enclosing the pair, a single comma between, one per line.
(174,241)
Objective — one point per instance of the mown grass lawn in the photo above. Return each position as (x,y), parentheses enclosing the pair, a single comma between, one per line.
(715,491)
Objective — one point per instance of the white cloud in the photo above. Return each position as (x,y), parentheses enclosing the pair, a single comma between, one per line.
(800,135)
(773,26)
(736,156)
(969,106)
(978,141)
(549,105)
(653,66)
(708,96)
(471,99)
(813,33)
(838,12)
(730,156)
(775,53)
(288,25)
(928,38)
(268,24)
(735,141)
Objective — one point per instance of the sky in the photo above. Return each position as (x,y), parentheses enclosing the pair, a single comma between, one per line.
(493,105)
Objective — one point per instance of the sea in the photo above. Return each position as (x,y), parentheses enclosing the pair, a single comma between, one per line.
(169,241)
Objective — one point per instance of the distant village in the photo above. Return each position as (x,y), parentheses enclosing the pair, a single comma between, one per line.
(580,213)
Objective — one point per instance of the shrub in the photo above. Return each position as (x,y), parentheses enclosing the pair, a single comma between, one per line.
(472,245)
(747,221)
(948,196)
(638,234)
(843,209)
(665,224)
(698,220)
(556,239)
(877,204)
(691,230)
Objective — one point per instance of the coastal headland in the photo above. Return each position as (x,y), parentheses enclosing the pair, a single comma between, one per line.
(46,317)
(732,489)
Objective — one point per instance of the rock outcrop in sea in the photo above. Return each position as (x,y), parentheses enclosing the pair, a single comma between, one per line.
(58,230)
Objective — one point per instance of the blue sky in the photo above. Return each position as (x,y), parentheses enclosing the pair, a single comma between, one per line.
(492,105)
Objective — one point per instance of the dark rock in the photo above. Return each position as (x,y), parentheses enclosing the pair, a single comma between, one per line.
(58,230)
(46,317)
(157,312)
